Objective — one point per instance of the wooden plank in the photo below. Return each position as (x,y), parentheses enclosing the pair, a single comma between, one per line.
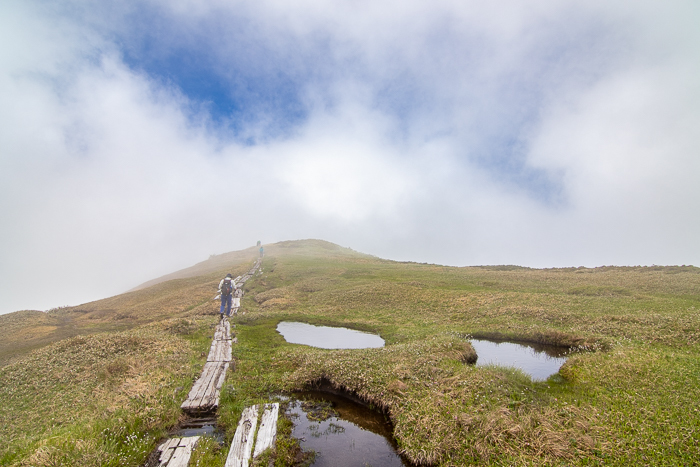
(166,451)
(210,401)
(267,433)
(200,386)
(206,395)
(183,452)
(228,352)
(242,444)
(204,381)
(220,351)
(222,377)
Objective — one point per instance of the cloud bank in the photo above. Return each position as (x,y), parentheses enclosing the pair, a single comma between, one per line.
(137,138)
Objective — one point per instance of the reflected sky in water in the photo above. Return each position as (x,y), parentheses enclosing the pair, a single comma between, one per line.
(538,361)
(325,337)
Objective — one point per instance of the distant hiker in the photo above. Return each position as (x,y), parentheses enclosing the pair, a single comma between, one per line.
(261,252)
(259,243)
(226,287)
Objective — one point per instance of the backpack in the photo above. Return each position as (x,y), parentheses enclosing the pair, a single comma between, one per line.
(226,287)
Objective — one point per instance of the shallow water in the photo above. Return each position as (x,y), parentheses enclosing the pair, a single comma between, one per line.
(357,436)
(205,426)
(325,337)
(538,361)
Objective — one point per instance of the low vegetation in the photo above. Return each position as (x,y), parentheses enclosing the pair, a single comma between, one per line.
(625,396)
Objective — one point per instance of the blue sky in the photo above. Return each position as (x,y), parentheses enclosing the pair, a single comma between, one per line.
(555,133)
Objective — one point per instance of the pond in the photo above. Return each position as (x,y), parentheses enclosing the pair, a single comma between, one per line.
(538,361)
(343,433)
(325,337)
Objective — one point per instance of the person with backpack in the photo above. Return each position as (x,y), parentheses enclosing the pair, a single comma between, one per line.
(226,287)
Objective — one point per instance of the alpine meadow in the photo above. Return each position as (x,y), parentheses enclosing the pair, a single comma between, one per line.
(101,384)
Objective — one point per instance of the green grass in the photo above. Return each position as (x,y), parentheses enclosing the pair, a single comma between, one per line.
(626,396)
(99,400)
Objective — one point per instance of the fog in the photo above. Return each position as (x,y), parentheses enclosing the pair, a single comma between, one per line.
(138,138)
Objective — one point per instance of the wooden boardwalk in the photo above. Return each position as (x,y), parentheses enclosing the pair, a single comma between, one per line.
(204,395)
(267,433)
(242,445)
(206,391)
(176,452)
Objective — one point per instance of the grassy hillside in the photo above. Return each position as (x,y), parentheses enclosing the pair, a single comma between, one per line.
(627,395)
(23,331)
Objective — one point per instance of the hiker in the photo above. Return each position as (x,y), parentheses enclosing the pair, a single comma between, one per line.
(226,287)
(261,252)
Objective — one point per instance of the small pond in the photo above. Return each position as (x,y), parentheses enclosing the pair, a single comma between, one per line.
(343,433)
(325,337)
(538,361)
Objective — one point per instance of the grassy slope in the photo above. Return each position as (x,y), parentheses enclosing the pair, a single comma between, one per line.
(24,331)
(99,383)
(104,399)
(630,402)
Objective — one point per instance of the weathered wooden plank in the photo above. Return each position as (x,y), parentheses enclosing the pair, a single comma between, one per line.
(201,386)
(222,377)
(223,351)
(212,351)
(211,398)
(228,352)
(183,452)
(242,444)
(220,351)
(166,451)
(236,302)
(206,395)
(205,380)
(267,432)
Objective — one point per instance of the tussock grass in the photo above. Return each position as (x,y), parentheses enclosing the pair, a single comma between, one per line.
(97,400)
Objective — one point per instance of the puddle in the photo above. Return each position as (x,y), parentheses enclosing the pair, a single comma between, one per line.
(325,337)
(538,361)
(342,432)
(205,426)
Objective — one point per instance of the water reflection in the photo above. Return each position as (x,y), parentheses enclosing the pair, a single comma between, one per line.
(325,337)
(539,361)
(343,433)
(203,426)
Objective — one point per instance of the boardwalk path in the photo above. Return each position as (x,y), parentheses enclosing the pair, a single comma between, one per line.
(206,392)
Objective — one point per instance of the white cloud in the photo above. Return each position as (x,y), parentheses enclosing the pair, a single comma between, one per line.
(108,177)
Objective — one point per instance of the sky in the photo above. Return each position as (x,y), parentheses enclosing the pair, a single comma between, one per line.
(140,137)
